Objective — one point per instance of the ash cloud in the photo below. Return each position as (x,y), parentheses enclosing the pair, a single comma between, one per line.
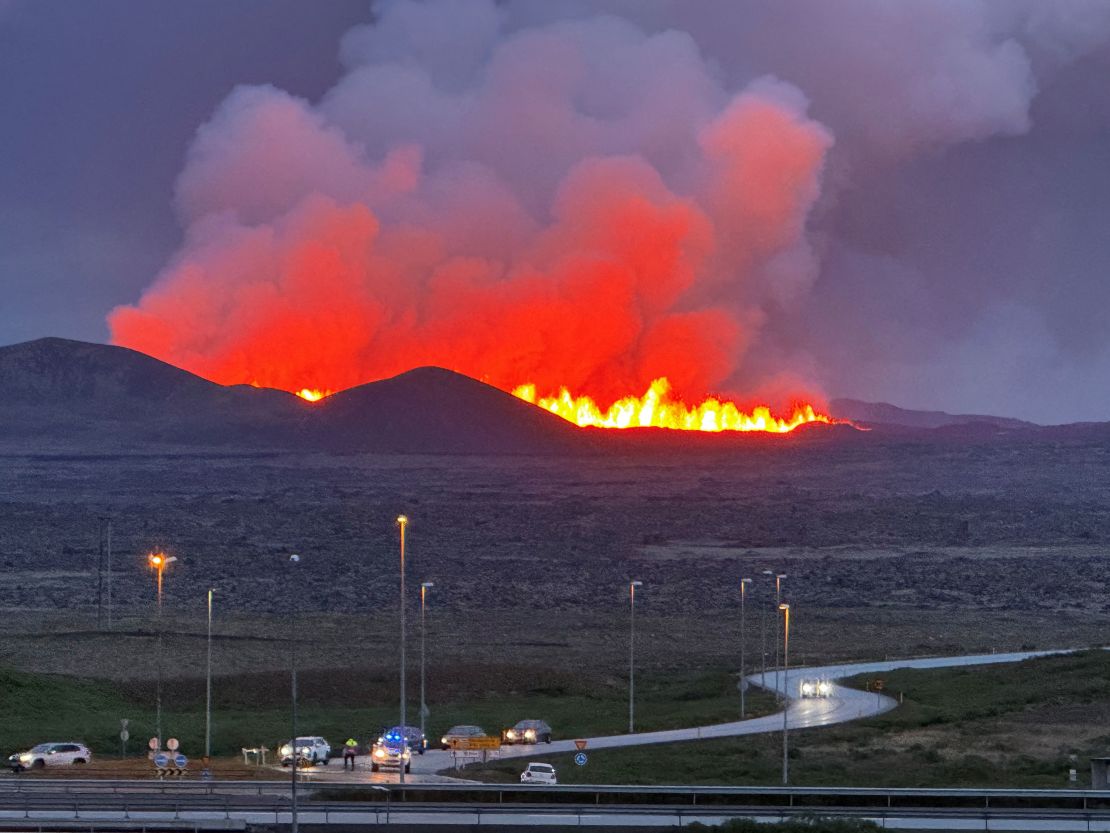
(757,199)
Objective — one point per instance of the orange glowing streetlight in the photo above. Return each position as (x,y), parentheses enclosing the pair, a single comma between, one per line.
(785,608)
(158,561)
(403,521)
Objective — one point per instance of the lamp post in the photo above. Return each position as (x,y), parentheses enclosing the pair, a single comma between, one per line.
(294,559)
(763,639)
(424,586)
(208,686)
(778,606)
(632,585)
(744,582)
(158,562)
(785,608)
(402,521)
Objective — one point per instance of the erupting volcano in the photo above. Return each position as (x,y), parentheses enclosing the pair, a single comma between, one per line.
(657,409)
(577,238)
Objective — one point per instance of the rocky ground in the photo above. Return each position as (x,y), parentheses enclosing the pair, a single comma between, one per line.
(891,547)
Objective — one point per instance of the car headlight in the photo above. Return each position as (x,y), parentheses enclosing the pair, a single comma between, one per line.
(378,753)
(26,758)
(510,734)
(531,733)
(443,740)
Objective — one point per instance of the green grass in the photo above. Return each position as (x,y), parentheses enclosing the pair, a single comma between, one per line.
(1007,726)
(39,707)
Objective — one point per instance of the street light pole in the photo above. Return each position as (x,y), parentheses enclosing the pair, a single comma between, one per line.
(423,704)
(632,585)
(778,602)
(763,638)
(744,582)
(294,559)
(208,687)
(785,608)
(158,562)
(403,522)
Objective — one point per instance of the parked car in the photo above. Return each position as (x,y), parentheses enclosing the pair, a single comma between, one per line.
(527,731)
(390,751)
(50,754)
(460,733)
(412,734)
(311,751)
(537,773)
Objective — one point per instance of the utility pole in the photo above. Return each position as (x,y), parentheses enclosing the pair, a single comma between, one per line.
(632,585)
(109,576)
(744,582)
(402,521)
(293,560)
(424,586)
(785,608)
(100,574)
(208,687)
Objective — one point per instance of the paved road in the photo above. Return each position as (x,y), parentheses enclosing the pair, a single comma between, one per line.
(843,705)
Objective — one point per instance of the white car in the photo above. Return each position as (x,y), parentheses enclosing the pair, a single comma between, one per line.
(815,688)
(50,754)
(537,773)
(310,751)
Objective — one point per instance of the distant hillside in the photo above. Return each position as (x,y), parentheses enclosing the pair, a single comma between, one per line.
(881,413)
(71,393)
(61,394)
(432,409)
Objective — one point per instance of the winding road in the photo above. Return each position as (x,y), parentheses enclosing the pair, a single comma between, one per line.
(844,704)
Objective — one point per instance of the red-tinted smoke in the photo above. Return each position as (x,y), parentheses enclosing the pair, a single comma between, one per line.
(308,263)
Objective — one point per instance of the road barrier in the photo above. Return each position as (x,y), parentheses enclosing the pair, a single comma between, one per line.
(231,804)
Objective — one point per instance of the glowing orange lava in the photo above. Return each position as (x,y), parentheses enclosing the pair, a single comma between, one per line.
(312,394)
(658,409)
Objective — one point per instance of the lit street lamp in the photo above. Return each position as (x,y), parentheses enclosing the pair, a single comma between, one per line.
(785,608)
(208,688)
(294,559)
(763,639)
(402,521)
(632,585)
(778,606)
(158,562)
(424,586)
(744,582)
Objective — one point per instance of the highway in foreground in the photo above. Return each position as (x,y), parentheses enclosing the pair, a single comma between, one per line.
(432,800)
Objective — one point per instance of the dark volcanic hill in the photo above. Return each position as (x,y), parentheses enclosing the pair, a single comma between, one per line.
(60,393)
(437,410)
(71,395)
(884,414)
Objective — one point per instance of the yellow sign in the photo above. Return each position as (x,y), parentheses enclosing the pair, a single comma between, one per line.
(472,744)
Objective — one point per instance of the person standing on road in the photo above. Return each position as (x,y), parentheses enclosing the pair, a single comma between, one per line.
(349,753)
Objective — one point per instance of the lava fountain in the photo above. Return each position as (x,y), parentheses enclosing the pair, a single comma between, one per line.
(657,408)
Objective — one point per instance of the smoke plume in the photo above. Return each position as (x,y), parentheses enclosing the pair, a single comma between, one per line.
(588,195)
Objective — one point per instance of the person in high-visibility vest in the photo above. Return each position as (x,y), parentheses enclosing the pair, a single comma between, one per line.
(349,752)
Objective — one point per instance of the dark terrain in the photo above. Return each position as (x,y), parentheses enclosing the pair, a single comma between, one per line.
(895,541)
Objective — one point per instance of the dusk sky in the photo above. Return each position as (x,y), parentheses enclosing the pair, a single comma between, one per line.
(902,202)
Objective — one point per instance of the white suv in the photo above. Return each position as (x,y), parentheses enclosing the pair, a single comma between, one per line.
(50,754)
(310,751)
(538,774)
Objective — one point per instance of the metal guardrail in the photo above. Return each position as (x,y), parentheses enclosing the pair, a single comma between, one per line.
(499,794)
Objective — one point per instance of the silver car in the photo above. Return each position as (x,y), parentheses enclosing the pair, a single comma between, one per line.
(50,754)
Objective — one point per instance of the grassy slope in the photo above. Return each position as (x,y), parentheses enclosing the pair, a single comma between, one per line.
(1005,726)
(37,708)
